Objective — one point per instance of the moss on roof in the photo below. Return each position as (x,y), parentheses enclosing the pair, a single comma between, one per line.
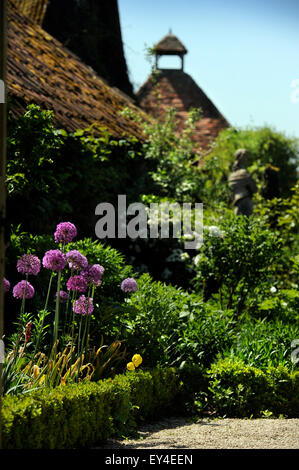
(41,70)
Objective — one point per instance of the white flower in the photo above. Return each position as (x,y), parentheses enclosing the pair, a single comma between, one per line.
(215,231)
(196,259)
(273,290)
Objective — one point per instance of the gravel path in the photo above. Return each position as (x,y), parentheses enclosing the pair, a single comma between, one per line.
(179,433)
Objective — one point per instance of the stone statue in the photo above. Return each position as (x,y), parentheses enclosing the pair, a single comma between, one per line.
(242,185)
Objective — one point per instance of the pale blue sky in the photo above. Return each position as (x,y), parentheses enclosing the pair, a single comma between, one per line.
(243,54)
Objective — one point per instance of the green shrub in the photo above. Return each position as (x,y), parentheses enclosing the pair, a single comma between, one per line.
(239,390)
(154,313)
(141,385)
(61,418)
(203,332)
(235,260)
(165,389)
(265,146)
(264,342)
(193,389)
(61,175)
(80,415)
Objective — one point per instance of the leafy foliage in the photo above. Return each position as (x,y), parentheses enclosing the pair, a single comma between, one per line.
(265,147)
(57,174)
(234,261)
(239,390)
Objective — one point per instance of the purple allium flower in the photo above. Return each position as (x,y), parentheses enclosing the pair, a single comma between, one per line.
(63,296)
(19,289)
(54,260)
(78,283)
(83,305)
(93,274)
(29,264)
(65,232)
(129,285)
(6,285)
(76,260)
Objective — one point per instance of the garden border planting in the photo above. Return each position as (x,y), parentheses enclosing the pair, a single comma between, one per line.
(81,415)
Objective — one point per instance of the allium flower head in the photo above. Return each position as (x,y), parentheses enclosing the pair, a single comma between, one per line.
(83,305)
(77,283)
(76,260)
(29,264)
(54,260)
(6,285)
(129,285)
(93,274)
(65,232)
(63,296)
(19,290)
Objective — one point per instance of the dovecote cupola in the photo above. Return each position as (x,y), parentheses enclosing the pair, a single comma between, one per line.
(170,45)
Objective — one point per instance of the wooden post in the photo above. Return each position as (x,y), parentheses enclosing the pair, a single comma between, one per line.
(3,48)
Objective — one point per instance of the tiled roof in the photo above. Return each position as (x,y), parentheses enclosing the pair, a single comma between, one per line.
(34,9)
(178,90)
(40,70)
(170,44)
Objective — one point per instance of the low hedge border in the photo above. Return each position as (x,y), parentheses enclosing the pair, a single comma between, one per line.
(82,415)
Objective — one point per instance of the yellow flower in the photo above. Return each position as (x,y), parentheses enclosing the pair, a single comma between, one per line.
(130,366)
(42,379)
(35,370)
(137,360)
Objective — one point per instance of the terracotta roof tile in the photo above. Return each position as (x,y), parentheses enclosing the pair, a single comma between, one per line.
(177,89)
(41,70)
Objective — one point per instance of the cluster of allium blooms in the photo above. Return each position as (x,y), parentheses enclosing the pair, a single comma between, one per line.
(77,283)
(83,306)
(6,285)
(23,288)
(29,264)
(129,285)
(54,260)
(93,274)
(63,296)
(76,260)
(65,232)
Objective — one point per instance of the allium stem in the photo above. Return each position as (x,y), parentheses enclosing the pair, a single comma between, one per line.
(24,297)
(79,337)
(57,309)
(48,293)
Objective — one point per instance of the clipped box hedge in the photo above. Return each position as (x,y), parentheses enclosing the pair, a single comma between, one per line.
(82,415)
(239,390)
